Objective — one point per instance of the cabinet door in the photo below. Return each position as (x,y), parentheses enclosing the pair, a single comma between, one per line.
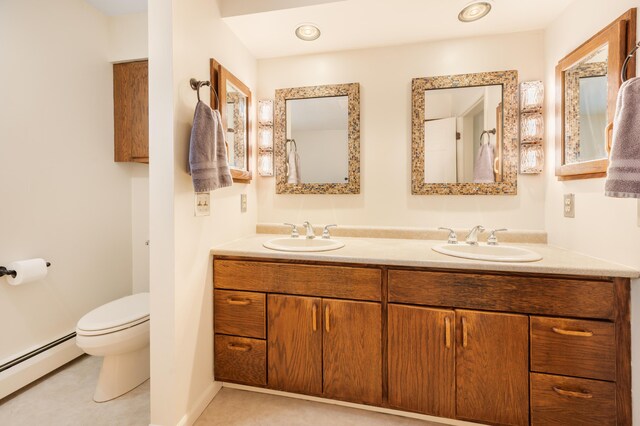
(352,351)
(422,360)
(294,344)
(492,362)
(131,111)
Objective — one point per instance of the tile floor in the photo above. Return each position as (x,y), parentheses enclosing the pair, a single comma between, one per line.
(64,398)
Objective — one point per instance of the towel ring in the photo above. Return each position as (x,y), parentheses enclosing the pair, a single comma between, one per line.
(197,84)
(623,73)
(487,132)
(292,143)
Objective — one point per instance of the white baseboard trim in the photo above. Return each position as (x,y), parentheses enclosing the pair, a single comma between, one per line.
(32,369)
(352,405)
(201,404)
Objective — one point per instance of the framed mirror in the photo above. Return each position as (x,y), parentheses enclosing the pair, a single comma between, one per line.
(234,103)
(317,139)
(587,84)
(465,134)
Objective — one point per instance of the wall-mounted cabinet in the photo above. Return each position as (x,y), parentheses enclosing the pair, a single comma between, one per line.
(131,112)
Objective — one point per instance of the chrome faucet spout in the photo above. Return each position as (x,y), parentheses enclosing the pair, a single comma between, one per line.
(309,228)
(472,237)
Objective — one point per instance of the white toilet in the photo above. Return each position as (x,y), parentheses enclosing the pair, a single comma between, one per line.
(119,332)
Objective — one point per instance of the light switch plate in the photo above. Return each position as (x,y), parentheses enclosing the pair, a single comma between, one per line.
(569,205)
(202,204)
(243,203)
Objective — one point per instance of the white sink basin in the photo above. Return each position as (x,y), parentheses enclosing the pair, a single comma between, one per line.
(303,244)
(497,253)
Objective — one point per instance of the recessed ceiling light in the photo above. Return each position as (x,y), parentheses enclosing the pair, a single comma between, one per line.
(474,11)
(307,32)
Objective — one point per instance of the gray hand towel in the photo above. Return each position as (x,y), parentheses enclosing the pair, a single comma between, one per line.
(623,176)
(207,150)
(483,167)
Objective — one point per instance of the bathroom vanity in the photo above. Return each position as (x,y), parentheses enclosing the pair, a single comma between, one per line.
(391,323)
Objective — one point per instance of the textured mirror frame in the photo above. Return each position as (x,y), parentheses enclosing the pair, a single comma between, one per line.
(352,90)
(508,185)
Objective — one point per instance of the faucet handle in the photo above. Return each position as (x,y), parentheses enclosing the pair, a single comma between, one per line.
(325,232)
(453,238)
(294,230)
(493,239)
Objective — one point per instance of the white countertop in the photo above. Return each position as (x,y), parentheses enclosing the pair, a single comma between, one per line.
(418,253)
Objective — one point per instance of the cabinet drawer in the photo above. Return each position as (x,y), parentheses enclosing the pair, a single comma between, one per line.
(532,295)
(573,348)
(338,282)
(557,400)
(240,313)
(241,360)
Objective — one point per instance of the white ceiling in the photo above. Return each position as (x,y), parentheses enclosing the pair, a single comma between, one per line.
(119,7)
(354,24)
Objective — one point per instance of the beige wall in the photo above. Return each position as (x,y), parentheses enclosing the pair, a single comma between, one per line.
(183,35)
(603,227)
(63,197)
(128,37)
(385,77)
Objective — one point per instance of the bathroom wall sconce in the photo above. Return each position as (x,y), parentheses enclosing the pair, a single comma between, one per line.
(265,138)
(531,127)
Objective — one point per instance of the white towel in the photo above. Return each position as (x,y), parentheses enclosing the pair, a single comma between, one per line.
(208,163)
(623,176)
(294,167)
(483,167)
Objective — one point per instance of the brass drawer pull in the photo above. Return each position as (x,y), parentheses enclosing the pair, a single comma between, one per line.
(574,394)
(239,302)
(327,325)
(240,348)
(579,333)
(464,332)
(447,332)
(314,317)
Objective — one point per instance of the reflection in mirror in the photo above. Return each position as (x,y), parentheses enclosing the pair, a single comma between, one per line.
(317,140)
(463,135)
(585,87)
(236,117)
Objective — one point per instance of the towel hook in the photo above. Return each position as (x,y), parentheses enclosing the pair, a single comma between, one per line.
(623,73)
(197,84)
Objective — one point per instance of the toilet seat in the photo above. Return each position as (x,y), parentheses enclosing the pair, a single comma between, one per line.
(115,316)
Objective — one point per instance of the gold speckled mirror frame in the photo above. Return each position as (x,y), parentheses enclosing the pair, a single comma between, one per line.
(508,185)
(352,90)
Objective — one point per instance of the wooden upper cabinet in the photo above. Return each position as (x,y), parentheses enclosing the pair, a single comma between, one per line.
(352,351)
(131,112)
(422,360)
(492,367)
(294,344)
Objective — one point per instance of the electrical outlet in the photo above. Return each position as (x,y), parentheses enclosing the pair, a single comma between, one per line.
(202,204)
(569,205)
(243,203)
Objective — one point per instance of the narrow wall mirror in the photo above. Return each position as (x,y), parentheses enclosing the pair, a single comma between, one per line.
(465,139)
(317,139)
(587,81)
(234,103)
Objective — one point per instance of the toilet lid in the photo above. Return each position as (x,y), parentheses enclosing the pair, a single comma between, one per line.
(116,314)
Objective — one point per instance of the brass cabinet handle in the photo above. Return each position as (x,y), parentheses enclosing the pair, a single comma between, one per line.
(608,136)
(240,348)
(574,394)
(327,325)
(579,333)
(241,302)
(464,332)
(314,317)
(447,332)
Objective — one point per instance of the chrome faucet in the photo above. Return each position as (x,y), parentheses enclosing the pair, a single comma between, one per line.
(325,233)
(309,228)
(472,237)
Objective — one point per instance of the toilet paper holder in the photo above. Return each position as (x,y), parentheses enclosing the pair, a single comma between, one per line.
(4,271)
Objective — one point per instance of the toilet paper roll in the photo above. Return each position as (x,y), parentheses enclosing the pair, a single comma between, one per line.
(27,271)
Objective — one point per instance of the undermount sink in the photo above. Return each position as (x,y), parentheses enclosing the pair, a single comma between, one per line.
(303,244)
(491,253)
